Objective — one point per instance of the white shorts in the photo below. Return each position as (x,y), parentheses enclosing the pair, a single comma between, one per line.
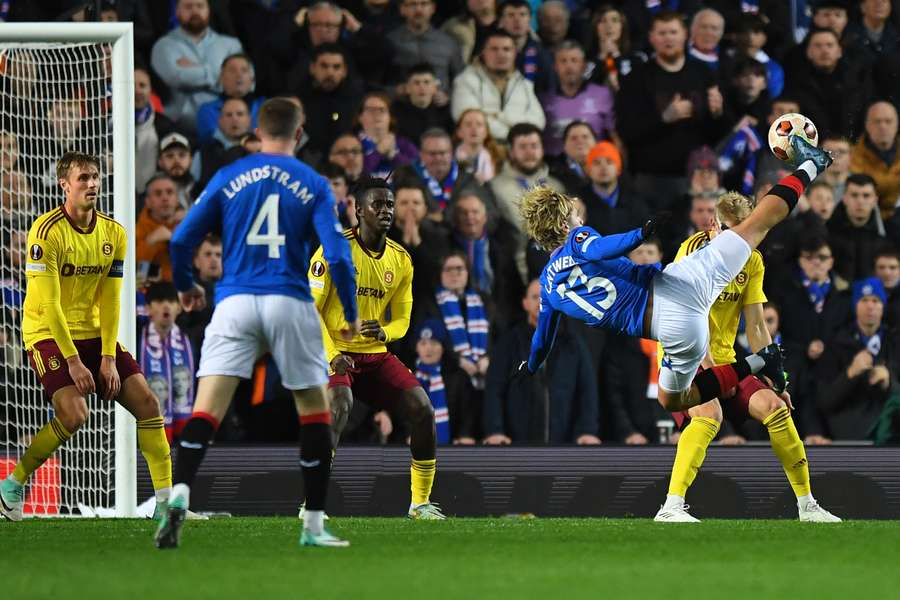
(246,326)
(682,296)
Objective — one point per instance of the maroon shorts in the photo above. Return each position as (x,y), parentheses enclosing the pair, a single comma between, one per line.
(47,361)
(376,378)
(735,408)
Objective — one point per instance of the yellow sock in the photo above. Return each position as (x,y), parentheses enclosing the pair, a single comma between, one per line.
(48,439)
(692,445)
(155,448)
(788,447)
(421,475)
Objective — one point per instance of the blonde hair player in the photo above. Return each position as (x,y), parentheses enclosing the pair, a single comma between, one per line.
(589,278)
(753,397)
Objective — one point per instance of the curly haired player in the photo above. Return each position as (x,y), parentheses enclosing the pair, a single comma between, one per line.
(589,278)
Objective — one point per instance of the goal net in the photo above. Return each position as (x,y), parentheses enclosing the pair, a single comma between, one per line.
(56,96)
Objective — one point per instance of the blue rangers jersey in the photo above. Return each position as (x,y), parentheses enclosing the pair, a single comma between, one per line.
(266,207)
(588,278)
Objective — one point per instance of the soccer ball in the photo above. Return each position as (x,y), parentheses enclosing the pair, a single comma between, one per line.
(786,126)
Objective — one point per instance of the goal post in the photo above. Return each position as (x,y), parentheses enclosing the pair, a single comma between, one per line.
(53,50)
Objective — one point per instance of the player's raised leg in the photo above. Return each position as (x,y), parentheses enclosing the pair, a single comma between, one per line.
(781,199)
(70,413)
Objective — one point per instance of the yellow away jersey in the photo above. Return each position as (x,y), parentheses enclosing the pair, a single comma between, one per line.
(383,293)
(725,314)
(70,274)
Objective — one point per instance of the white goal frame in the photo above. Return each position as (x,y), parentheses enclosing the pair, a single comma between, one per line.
(121,36)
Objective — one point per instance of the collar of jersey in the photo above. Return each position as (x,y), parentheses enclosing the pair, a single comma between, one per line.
(362,245)
(75,226)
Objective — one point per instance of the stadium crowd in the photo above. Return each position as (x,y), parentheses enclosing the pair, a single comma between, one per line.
(634,106)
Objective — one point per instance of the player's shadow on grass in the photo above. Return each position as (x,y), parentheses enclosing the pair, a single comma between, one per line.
(711,497)
(847,495)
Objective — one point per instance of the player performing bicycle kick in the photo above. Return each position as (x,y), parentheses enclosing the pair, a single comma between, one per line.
(589,278)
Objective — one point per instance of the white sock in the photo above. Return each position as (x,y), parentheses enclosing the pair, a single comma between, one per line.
(673,501)
(802,501)
(162,495)
(182,489)
(756,363)
(314,521)
(810,168)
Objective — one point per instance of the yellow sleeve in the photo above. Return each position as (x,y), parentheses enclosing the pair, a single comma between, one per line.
(42,273)
(401,306)
(111,296)
(320,288)
(682,250)
(756,271)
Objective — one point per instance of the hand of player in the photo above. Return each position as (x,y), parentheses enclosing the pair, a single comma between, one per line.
(352,331)
(84,381)
(636,439)
(193,299)
(109,378)
(653,225)
(732,440)
(497,439)
(341,363)
(588,440)
(371,329)
(787,400)
(185,62)
(678,109)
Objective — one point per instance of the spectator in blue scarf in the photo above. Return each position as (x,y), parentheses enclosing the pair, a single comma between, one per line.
(453,414)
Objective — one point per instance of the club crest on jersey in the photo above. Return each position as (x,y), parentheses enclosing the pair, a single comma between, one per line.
(741,278)
(53,363)
(107,248)
(388,277)
(318,268)
(581,236)
(36,252)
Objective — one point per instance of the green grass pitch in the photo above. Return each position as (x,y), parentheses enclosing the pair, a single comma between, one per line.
(471,559)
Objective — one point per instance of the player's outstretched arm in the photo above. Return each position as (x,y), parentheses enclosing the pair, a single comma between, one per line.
(599,247)
(544,335)
(336,251)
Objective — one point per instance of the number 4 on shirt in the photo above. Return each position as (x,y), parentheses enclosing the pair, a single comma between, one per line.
(268,214)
